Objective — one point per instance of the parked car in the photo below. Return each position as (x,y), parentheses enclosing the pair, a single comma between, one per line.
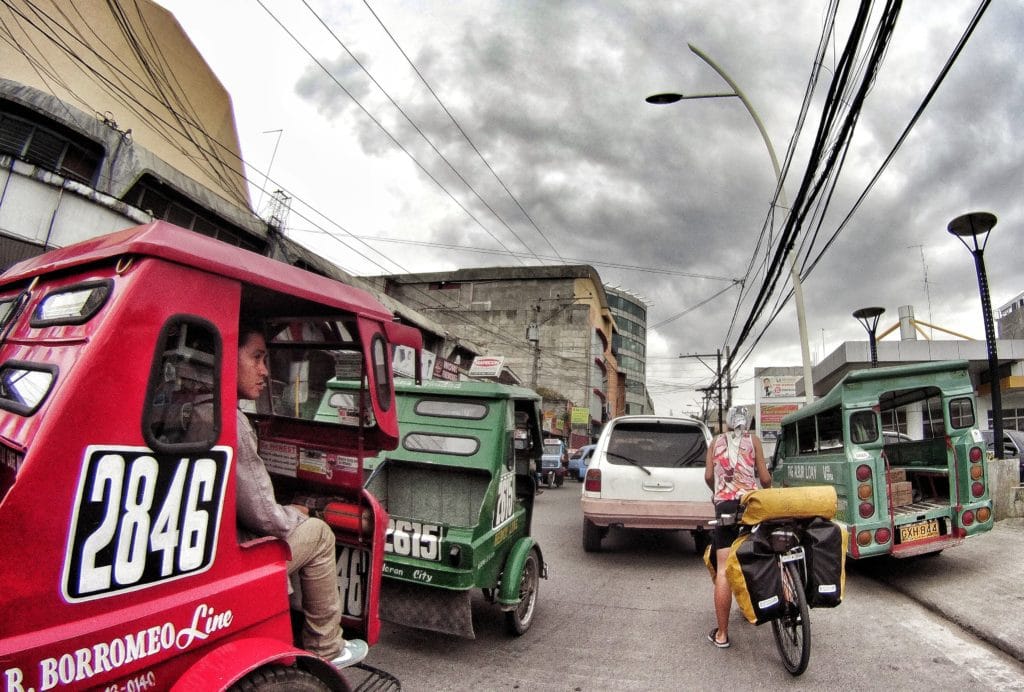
(1013,446)
(578,462)
(647,472)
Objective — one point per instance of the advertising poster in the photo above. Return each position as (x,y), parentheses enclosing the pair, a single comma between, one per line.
(770,418)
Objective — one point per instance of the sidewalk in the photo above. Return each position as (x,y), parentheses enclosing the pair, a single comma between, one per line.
(979,584)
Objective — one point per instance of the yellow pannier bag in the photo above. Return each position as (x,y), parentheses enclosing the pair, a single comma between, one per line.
(798,503)
(756,581)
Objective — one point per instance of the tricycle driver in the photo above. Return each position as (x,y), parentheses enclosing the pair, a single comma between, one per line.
(310,539)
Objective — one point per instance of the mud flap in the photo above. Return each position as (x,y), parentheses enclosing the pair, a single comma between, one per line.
(427,608)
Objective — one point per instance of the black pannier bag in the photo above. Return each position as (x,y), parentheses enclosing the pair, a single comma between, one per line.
(825,545)
(756,581)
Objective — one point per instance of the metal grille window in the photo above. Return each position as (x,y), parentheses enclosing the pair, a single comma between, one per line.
(152,196)
(63,152)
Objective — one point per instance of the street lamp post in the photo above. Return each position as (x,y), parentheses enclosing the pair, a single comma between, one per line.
(869,318)
(798,291)
(974,226)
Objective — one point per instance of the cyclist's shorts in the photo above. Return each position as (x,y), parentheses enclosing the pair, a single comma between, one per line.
(723,536)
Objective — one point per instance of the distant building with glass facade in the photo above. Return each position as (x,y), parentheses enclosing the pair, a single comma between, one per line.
(629,343)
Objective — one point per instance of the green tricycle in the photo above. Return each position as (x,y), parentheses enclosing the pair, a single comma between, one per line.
(459,492)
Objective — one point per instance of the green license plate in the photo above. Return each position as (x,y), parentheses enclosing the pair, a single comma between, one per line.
(919,531)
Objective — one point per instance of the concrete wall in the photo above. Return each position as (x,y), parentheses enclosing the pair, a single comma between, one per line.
(1004,485)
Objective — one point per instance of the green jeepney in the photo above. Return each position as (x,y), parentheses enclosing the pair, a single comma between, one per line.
(902,448)
(459,493)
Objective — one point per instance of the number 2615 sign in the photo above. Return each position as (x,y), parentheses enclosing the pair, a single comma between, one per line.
(142,518)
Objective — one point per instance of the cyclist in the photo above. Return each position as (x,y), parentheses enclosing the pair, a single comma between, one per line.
(734,465)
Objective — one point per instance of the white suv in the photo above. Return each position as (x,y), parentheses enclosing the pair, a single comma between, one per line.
(647,472)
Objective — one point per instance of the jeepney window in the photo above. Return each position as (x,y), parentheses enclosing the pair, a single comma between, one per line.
(182,401)
(443,444)
(451,408)
(830,430)
(961,412)
(346,407)
(789,439)
(807,437)
(863,427)
(72,305)
(24,386)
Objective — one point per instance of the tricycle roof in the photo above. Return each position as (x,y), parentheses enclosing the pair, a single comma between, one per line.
(466,388)
(171,243)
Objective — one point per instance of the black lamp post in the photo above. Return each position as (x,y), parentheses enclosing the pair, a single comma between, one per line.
(869,318)
(976,226)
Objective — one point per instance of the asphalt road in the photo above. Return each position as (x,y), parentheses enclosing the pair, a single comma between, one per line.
(635,617)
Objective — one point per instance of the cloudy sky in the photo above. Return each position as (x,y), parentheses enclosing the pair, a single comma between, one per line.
(417,136)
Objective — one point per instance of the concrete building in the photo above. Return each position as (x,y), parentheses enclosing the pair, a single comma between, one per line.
(550,324)
(629,344)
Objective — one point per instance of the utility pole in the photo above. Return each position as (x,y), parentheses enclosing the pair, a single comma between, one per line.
(533,336)
(718,388)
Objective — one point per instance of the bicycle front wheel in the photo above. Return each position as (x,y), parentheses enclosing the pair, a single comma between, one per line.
(793,630)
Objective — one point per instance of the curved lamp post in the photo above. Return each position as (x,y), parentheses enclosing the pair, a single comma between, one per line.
(798,291)
(869,318)
(976,226)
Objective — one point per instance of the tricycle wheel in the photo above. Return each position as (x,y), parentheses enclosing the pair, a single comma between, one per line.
(592,535)
(280,679)
(519,619)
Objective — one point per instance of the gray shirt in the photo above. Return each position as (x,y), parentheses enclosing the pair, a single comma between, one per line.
(257,507)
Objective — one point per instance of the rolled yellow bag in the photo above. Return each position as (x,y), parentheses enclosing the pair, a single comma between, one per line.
(799,503)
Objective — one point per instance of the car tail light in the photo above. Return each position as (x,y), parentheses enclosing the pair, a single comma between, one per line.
(883,535)
(975,454)
(593,482)
(977,489)
(863,472)
(863,538)
(967,518)
(866,509)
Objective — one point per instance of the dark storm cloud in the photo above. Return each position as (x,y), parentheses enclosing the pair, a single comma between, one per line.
(552,94)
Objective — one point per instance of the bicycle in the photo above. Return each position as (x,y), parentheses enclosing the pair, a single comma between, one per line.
(792,627)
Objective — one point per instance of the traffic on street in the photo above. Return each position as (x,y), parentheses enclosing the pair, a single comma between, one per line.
(635,616)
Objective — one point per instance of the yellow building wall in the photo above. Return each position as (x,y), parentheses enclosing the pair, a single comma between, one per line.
(157,85)
(585,291)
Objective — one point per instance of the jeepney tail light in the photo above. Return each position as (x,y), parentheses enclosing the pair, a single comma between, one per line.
(967,518)
(975,454)
(863,472)
(983,514)
(977,488)
(883,535)
(593,482)
(976,472)
(864,491)
(863,538)
(866,510)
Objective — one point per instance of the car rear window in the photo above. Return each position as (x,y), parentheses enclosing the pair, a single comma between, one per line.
(653,444)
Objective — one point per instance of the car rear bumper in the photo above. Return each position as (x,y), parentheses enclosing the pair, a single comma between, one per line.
(636,514)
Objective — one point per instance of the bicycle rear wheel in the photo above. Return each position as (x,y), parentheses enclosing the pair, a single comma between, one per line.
(793,630)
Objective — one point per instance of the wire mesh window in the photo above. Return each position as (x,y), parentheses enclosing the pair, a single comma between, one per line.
(31,137)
